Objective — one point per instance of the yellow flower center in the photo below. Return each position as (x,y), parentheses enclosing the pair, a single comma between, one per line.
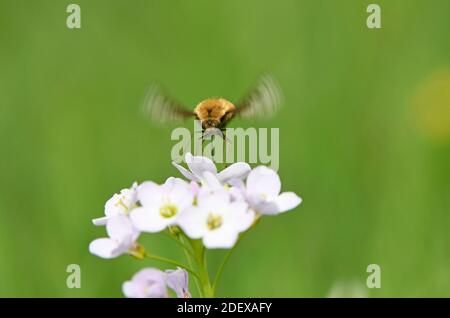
(213,221)
(168,210)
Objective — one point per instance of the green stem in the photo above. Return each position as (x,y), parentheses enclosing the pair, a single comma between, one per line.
(180,243)
(169,261)
(225,261)
(188,257)
(205,283)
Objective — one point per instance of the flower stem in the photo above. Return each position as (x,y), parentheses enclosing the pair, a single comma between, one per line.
(188,257)
(169,261)
(205,284)
(180,243)
(225,261)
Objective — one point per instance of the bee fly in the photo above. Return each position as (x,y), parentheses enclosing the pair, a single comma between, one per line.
(215,113)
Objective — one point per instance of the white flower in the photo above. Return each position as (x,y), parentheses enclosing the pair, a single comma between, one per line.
(147,283)
(119,203)
(153,283)
(122,237)
(216,219)
(199,165)
(161,204)
(263,192)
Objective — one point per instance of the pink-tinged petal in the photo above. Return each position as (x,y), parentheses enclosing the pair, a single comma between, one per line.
(119,228)
(149,193)
(254,200)
(210,181)
(100,221)
(238,170)
(236,194)
(186,173)
(199,165)
(148,219)
(129,196)
(209,198)
(263,181)
(178,281)
(195,188)
(114,206)
(193,222)
(104,248)
(239,216)
(266,208)
(223,237)
(147,283)
(181,195)
(239,183)
(287,201)
(122,202)
(172,183)
(130,290)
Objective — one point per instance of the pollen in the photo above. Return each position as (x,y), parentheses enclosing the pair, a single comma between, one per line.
(168,211)
(213,221)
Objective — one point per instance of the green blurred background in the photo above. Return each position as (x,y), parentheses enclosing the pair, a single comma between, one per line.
(365,137)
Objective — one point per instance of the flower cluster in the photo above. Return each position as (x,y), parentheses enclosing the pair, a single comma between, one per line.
(153,283)
(214,207)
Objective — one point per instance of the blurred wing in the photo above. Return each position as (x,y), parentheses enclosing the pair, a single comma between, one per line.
(160,107)
(262,100)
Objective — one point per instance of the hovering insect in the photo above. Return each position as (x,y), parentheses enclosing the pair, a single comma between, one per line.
(215,113)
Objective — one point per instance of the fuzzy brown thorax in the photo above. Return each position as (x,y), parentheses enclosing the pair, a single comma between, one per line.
(214,112)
